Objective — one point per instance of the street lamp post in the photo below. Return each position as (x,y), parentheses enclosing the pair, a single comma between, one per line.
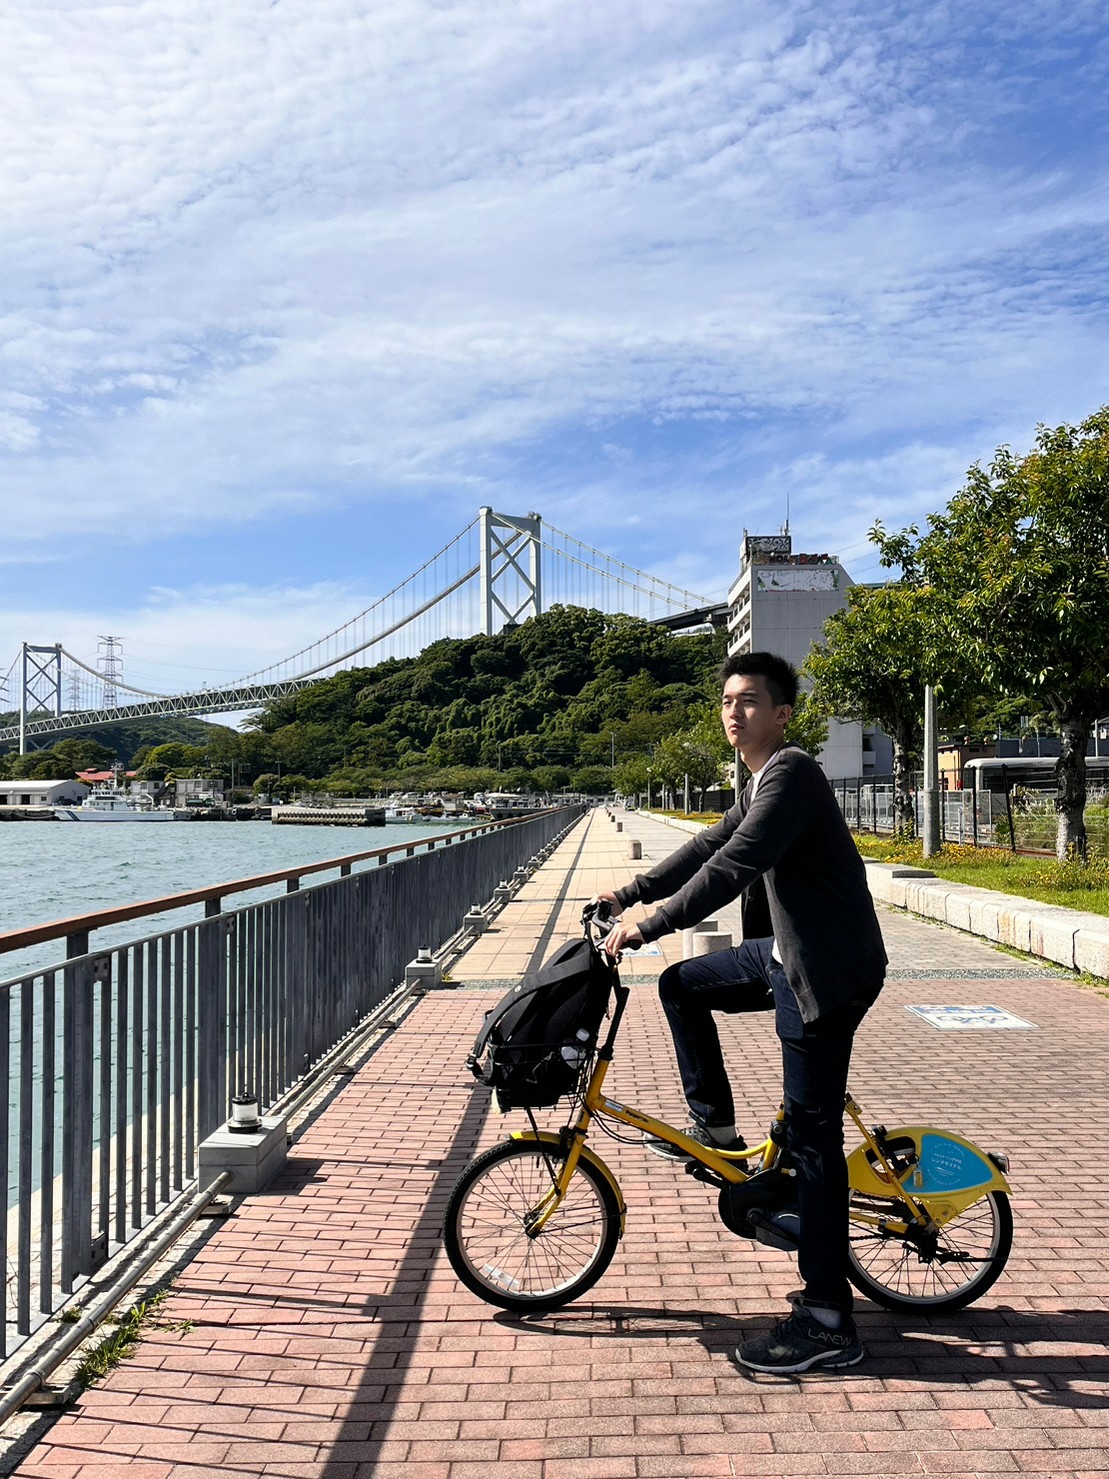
(931,775)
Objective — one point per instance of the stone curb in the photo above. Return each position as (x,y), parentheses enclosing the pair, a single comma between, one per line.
(1068,937)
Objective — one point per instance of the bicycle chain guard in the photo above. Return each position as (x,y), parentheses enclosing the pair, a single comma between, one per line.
(764,1207)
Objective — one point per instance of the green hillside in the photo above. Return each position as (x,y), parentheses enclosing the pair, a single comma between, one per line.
(572,697)
(110,744)
(553,701)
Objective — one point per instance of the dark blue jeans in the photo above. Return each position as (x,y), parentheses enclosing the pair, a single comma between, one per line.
(815,1060)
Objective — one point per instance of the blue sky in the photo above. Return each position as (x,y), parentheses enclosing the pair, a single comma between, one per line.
(289,289)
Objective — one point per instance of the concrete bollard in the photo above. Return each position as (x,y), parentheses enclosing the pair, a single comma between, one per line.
(635,849)
(253,1159)
(619,826)
(707,942)
(424,971)
(476,921)
(706,925)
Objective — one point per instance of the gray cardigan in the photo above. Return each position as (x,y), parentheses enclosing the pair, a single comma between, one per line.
(793,836)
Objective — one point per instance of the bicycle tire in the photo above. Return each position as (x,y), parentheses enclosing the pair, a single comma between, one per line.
(888,1268)
(487,1240)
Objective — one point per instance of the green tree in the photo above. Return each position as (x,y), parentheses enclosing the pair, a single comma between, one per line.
(630,776)
(700,752)
(551,778)
(872,668)
(38,765)
(668,765)
(1022,555)
(84,754)
(465,780)
(174,756)
(592,780)
(808,727)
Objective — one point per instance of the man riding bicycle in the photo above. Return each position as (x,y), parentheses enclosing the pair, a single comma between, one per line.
(816,957)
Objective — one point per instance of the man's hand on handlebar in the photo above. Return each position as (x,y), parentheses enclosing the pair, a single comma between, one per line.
(604,903)
(622,936)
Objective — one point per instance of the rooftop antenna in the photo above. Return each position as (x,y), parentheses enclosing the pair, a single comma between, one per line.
(785,526)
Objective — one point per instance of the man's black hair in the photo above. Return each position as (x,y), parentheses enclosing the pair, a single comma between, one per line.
(781,678)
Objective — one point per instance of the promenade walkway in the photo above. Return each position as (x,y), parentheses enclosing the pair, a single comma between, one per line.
(320,1331)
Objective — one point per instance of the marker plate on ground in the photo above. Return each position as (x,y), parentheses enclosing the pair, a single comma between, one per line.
(969,1018)
(649,949)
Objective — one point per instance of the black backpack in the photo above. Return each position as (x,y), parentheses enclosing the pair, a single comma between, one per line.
(534,1042)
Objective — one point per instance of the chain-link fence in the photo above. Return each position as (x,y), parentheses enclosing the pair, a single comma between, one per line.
(1008,813)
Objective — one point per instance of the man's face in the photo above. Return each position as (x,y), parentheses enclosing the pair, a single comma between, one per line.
(753,722)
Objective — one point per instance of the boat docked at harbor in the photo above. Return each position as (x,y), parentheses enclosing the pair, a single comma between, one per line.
(106,804)
(501,804)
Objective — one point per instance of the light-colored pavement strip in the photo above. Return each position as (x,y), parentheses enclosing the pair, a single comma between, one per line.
(331,1337)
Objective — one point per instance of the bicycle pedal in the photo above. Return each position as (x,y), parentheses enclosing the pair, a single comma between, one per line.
(703,1173)
(781,1230)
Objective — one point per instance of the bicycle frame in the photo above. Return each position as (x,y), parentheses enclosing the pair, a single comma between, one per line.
(873,1167)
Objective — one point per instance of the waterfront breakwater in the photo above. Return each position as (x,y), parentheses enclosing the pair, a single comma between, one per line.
(328,816)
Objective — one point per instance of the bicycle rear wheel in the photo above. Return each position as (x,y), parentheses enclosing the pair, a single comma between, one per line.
(490,1227)
(962,1261)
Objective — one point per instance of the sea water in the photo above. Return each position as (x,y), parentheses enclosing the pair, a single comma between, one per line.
(54,870)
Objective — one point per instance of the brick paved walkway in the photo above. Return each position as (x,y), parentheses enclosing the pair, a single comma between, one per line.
(331,1338)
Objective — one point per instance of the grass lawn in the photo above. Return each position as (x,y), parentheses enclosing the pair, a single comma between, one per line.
(1072,885)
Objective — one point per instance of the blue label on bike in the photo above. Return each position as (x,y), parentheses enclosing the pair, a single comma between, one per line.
(945,1165)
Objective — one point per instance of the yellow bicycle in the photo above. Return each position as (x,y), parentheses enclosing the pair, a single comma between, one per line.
(534,1222)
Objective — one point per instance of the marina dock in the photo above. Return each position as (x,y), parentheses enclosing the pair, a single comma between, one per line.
(319,1330)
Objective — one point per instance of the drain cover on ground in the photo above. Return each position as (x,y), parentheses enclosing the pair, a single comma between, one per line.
(968,1018)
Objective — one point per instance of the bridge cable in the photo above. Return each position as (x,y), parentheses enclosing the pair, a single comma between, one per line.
(313,646)
(691,596)
(130,687)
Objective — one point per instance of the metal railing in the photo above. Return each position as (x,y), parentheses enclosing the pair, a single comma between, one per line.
(970,817)
(121,1061)
(1018,816)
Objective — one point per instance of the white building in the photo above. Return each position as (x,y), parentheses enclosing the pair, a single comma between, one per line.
(41,793)
(779,603)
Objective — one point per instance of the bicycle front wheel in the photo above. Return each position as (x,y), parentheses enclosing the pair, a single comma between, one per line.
(510,1247)
(958,1265)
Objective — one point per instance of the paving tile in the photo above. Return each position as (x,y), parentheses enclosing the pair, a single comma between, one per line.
(334,1341)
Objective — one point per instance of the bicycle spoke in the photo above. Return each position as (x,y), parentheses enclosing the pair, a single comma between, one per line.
(963,1255)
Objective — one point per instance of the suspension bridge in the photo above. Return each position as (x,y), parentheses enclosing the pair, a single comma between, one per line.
(498,571)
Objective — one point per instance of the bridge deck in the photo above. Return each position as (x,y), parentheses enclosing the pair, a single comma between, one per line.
(327,1335)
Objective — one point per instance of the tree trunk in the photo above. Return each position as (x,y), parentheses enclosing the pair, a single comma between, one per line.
(904,815)
(1071,800)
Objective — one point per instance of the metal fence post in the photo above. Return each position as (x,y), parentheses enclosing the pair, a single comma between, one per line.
(1009,808)
(974,806)
(211,1012)
(76,1241)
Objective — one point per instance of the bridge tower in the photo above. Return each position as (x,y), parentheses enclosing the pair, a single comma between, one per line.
(504,579)
(40,684)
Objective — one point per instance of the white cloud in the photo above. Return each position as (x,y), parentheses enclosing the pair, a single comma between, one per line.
(265,258)
(182,640)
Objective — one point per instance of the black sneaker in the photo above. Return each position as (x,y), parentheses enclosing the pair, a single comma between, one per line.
(696,1132)
(801,1342)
